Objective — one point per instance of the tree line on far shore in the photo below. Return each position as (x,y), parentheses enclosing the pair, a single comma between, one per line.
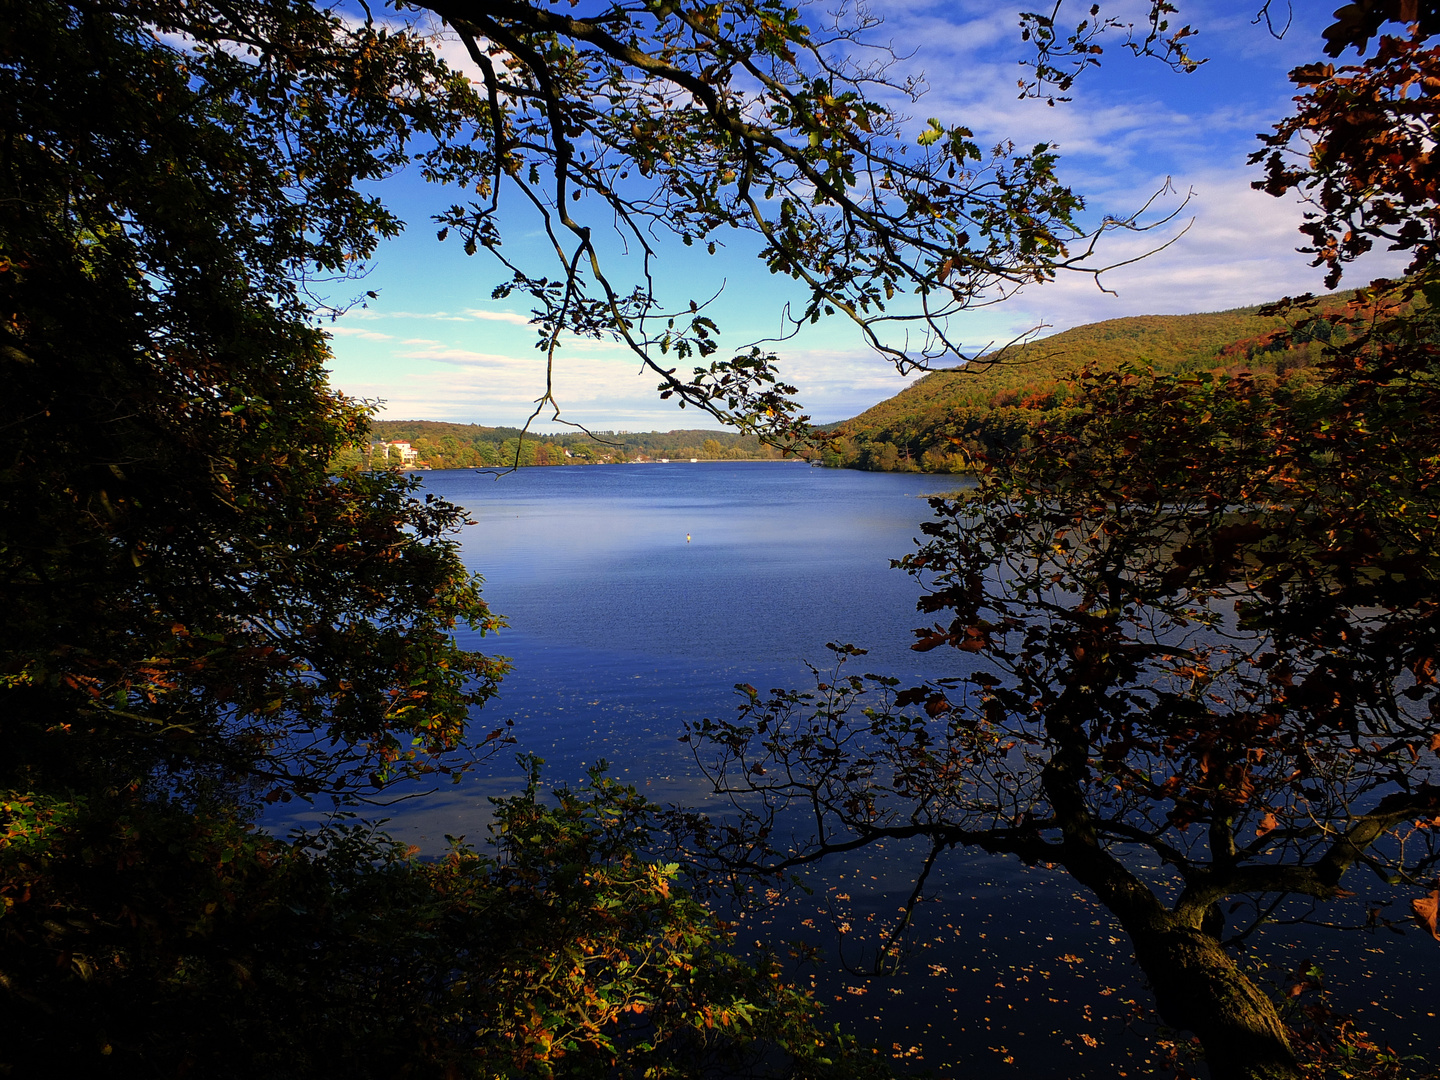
(951,421)
(441,445)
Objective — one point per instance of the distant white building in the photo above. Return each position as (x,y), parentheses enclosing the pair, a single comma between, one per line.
(408,454)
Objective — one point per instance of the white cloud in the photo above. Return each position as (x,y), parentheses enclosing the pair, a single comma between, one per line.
(356,332)
(499,316)
(468,315)
(1239,250)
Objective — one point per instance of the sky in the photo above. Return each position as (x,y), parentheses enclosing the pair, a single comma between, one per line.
(434,345)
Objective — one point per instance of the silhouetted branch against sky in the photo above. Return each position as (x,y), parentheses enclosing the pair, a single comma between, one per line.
(436,344)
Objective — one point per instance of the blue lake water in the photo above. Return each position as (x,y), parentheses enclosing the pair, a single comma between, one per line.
(638,595)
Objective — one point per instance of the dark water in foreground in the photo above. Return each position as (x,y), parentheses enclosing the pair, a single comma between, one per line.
(620,630)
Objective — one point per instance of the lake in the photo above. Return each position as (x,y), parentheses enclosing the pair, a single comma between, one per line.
(638,595)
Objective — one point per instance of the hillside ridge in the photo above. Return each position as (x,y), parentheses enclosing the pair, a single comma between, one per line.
(945,421)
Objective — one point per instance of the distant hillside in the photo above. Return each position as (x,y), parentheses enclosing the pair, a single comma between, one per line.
(441,445)
(942,422)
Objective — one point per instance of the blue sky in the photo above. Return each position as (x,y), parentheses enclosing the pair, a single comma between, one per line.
(435,346)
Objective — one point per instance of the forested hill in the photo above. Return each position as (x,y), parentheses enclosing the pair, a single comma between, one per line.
(443,445)
(941,422)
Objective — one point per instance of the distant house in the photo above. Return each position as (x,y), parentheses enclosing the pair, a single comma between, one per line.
(408,454)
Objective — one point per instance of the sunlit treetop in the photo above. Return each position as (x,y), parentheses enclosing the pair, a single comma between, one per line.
(1360,147)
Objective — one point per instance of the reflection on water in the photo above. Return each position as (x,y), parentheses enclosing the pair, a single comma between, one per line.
(638,595)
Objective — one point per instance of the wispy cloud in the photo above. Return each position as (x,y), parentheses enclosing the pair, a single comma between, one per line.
(356,332)
(444,354)
(1239,250)
(477,387)
(467,315)
(499,316)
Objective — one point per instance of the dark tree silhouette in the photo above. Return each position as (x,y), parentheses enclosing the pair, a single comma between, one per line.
(1200,626)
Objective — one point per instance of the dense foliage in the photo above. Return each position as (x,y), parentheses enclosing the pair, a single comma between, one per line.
(175,943)
(198,615)
(184,580)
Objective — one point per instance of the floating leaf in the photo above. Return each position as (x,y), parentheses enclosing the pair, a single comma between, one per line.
(1425,910)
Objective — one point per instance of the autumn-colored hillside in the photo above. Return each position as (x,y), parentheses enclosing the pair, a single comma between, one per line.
(944,421)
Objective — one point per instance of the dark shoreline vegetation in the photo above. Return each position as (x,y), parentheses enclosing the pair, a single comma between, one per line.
(1193,610)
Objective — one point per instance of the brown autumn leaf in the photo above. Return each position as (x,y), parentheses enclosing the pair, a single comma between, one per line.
(1268,824)
(1425,910)
(929,641)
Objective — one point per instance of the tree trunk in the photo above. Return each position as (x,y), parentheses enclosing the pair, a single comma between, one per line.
(1199,988)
